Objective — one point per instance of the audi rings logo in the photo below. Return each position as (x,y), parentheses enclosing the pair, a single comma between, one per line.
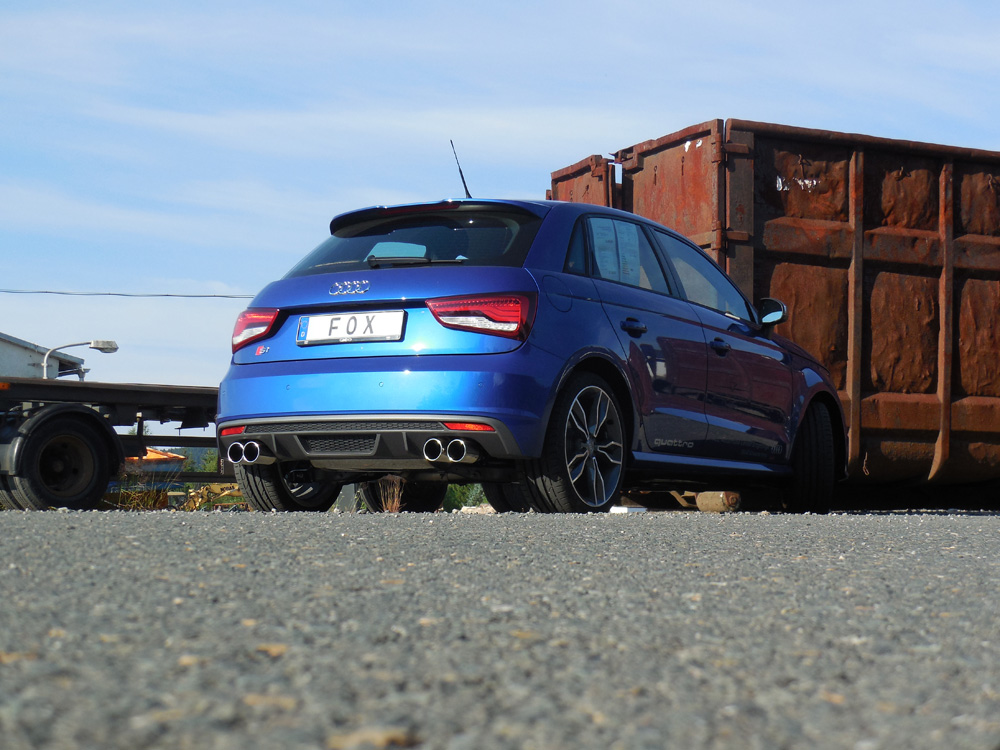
(350,287)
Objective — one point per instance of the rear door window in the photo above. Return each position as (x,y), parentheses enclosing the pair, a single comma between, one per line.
(619,252)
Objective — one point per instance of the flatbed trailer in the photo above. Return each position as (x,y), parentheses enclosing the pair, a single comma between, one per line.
(59,446)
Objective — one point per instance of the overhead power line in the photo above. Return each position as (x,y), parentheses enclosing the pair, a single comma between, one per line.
(126,294)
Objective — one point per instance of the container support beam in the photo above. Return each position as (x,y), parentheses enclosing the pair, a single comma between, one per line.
(946,305)
(855,318)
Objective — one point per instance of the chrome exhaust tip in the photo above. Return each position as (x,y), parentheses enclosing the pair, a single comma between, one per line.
(433,450)
(251,451)
(460,452)
(235,453)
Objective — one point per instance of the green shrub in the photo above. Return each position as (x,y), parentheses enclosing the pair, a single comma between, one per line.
(463,496)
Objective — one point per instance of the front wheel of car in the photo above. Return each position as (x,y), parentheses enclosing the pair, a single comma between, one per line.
(582,465)
(393,495)
(813,464)
(284,487)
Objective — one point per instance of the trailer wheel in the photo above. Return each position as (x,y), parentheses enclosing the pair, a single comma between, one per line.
(65,465)
(7,501)
(285,487)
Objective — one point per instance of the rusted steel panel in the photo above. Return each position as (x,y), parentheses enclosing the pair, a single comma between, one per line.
(906,190)
(887,253)
(802,180)
(979,344)
(902,336)
(675,180)
(979,200)
(591,180)
(814,293)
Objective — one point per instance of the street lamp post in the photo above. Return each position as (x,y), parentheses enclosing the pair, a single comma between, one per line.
(101,345)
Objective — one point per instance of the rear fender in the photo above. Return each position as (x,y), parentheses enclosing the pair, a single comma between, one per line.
(607,366)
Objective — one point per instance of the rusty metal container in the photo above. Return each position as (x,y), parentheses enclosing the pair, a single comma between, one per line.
(591,180)
(887,253)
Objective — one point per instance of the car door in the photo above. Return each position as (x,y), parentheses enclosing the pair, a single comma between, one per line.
(662,338)
(749,384)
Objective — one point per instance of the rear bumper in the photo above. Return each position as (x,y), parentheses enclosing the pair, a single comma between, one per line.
(396,443)
(360,417)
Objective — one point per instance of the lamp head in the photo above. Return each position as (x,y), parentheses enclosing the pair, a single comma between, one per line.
(103,345)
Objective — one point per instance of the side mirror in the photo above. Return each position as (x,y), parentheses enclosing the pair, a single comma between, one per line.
(772,312)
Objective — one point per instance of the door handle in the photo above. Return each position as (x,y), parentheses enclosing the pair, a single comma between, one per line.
(633,327)
(721,347)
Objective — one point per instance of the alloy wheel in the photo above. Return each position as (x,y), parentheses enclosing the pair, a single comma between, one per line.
(594,449)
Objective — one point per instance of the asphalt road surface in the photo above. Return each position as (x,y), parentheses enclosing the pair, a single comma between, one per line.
(470,632)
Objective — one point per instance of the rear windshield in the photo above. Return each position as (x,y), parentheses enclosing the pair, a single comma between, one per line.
(480,237)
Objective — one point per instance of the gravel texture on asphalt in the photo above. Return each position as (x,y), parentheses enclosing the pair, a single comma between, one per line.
(468,632)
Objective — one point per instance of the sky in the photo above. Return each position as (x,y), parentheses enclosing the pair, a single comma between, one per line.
(201,148)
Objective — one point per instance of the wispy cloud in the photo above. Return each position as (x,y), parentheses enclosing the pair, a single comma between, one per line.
(379,129)
(42,208)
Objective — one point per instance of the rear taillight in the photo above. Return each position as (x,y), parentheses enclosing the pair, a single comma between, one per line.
(508,315)
(252,325)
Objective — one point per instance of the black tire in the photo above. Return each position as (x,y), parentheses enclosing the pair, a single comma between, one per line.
(64,464)
(417,497)
(507,498)
(582,465)
(7,501)
(813,460)
(284,487)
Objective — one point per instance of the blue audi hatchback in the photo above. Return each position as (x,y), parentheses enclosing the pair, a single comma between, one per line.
(560,354)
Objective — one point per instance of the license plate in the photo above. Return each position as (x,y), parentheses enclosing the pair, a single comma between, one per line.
(344,328)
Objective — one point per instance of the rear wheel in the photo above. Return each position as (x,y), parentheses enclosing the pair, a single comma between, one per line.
(284,487)
(65,465)
(393,495)
(581,467)
(813,460)
(506,498)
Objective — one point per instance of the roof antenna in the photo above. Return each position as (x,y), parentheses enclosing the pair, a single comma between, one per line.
(467,193)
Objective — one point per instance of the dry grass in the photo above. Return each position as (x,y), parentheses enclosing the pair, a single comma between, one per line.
(137,491)
(390,493)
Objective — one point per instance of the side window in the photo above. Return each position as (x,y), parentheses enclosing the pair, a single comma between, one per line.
(702,281)
(621,253)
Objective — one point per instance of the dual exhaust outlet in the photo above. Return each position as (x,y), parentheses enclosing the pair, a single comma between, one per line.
(244,453)
(456,452)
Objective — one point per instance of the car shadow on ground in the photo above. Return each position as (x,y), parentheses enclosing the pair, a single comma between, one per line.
(972,499)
